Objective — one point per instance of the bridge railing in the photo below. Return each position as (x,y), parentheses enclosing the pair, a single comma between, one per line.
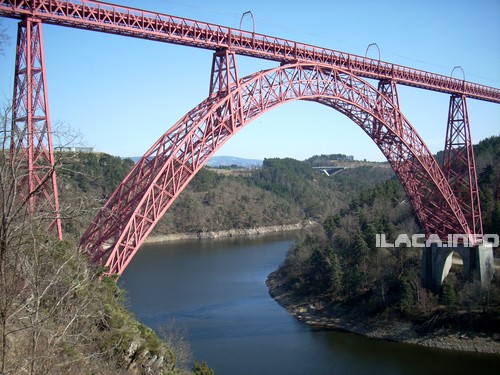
(110,18)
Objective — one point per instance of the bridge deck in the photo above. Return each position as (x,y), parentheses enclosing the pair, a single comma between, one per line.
(138,23)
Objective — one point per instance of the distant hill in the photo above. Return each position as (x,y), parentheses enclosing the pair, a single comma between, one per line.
(222,161)
(226,161)
(134,158)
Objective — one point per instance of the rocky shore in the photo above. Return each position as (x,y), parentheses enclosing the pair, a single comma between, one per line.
(229,233)
(338,316)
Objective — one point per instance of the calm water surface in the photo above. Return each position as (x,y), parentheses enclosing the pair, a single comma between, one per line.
(216,290)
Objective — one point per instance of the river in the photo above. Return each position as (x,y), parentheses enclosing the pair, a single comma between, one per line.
(216,291)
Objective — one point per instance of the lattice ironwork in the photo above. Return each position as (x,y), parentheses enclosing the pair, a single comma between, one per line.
(459,165)
(308,72)
(31,145)
(164,171)
(115,19)
(224,72)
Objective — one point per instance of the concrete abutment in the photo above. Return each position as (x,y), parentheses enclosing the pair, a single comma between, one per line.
(478,262)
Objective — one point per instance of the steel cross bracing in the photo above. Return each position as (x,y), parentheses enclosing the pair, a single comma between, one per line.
(164,171)
(444,202)
(459,165)
(114,19)
(31,139)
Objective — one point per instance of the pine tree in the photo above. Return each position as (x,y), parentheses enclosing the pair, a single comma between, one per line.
(335,272)
(449,295)
(405,297)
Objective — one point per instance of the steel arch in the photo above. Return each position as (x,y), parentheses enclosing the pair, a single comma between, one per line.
(130,214)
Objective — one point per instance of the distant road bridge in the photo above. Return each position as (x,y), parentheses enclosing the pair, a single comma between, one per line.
(329,170)
(446,200)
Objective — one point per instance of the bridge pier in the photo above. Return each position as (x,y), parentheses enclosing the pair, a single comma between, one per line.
(478,262)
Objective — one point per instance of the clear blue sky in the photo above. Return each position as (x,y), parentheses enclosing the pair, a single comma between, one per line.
(121,93)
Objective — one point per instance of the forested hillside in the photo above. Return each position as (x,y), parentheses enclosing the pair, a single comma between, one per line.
(85,181)
(487,157)
(56,317)
(488,175)
(339,262)
(283,191)
(57,314)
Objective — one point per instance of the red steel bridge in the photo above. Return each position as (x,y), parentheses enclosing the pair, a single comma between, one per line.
(445,198)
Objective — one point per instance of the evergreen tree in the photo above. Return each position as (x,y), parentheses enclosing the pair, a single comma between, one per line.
(360,249)
(352,281)
(449,294)
(330,224)
(319,274)
(335,272)
(405,297)
(202,369)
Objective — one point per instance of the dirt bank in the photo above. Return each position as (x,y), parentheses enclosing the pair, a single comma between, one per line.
(229,233)
(338,316)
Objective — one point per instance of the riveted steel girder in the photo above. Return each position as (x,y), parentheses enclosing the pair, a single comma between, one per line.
(138,23)
(130,214)
(459,165)
(31,142)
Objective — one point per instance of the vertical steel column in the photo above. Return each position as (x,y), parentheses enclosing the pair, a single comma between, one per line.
(459,166)
(389,89)
(224,72)
(223,80)
(31,132)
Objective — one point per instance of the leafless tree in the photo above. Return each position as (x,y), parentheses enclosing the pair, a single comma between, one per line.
(40,277)
(176,337)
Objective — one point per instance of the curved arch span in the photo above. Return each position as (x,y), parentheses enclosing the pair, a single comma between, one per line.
(130,214)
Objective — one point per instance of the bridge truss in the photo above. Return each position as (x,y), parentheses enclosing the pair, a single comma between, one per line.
(445,200)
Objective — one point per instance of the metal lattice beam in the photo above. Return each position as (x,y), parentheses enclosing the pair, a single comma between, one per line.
(115,19)
(459,165)
(158,178)
(31,131)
